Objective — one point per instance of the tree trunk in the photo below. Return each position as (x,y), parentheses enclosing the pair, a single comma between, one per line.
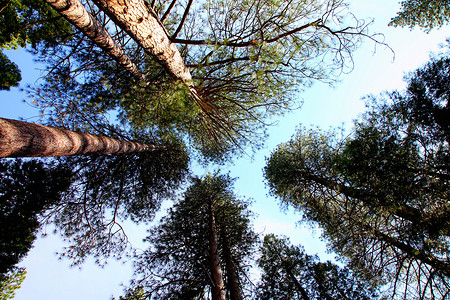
(297,284)
(233,279)
(21,139)
(432,222)
(218,287)
(405,212)
(439,265)
(77,15)
(143,25)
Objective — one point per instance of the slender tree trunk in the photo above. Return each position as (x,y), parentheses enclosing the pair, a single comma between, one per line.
(439,265)
(435,223)
(297,284)
(405,212)
(77,15)
(233,279)
(325,294)
(218,287)
(21,139)
(143,25)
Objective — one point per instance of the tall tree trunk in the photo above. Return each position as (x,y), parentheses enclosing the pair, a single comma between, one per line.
(22,139)
(233,279)
(288,269)
(218,287)
(77,15)
(143,25)
(297,284)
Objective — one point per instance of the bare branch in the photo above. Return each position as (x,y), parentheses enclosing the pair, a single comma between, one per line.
(169,9)
(183,20)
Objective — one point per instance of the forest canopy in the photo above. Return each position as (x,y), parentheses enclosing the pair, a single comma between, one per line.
(382,194)
(178,82)
(243,63)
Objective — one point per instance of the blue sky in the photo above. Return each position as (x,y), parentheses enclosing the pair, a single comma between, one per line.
(50,278)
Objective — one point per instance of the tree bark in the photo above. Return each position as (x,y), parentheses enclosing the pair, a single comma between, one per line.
(233,279)
(77,15)
(218,287)
(142,24)
(22,139)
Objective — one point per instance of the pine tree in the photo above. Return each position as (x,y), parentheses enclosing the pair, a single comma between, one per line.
(217,83)
(27,190)
(290,273)
(381,195)
(201,247)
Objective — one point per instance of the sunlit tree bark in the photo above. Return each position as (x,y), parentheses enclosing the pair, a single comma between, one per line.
(142,24)
(77,14)
(22,139)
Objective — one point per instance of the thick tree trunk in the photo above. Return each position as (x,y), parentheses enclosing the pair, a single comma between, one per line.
(233,279)
(142,24)
(21,139)
(77,15)
(218,287)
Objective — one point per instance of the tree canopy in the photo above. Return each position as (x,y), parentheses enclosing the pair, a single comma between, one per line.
(27,190)
(290,273)
(27,22)
(11,282)
(382,194)
(109,189)
(427,14)
(247,60)
(31,22)
(9,73)
(206,234)
(105,189)
(207,77)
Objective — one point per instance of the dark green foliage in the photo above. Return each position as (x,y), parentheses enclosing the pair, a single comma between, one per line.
(427,14)
(427,97)
(27,22)
(27,189)
(110,189)
(290,273)
(176,266)
(382,195)
(9,73)
(32,22)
